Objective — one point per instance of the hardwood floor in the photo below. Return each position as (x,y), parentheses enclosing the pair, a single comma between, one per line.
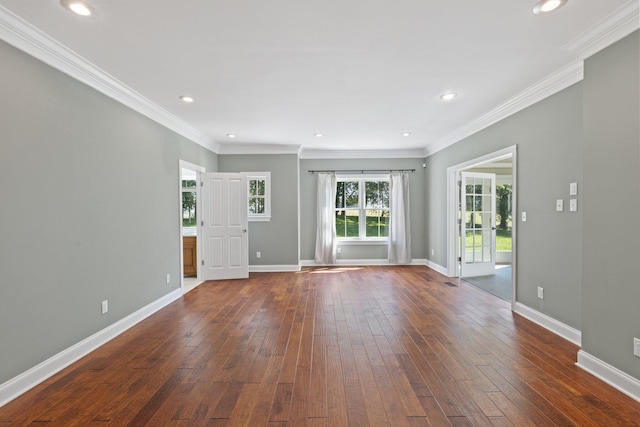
(374,346)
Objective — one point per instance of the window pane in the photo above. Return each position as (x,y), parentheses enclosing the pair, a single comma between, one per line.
(384,190)
(377,194)
(341,224)
(347,194)
(256,205)
(351,194)
(372,195)
(260,188)
(189,209)
(352,223)
(253,187)
(377,223)
(189,183)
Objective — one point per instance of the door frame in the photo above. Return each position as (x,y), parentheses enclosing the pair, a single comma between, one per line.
(198,170)
(453,198)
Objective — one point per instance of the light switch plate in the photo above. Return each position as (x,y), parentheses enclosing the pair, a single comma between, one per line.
(524,217)
(559,205)
(573,189)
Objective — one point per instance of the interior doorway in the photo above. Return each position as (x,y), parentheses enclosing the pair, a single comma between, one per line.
(481,222)
(190,229)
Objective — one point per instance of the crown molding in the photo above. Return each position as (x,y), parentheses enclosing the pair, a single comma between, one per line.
(609,30)
(546,87)
(248,148)
(361,154)
(22,35)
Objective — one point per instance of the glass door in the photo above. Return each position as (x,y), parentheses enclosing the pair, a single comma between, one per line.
(477,225)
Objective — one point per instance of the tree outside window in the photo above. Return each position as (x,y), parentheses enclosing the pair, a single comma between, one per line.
(362,208)
(259,196)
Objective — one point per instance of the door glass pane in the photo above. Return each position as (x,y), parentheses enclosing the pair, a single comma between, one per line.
(478,203)
(486,254)
(469,203)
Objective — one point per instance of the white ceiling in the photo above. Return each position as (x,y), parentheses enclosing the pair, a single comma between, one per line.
(361,72)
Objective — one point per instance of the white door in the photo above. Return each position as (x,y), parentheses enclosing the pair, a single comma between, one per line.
(478,224)
(225,240)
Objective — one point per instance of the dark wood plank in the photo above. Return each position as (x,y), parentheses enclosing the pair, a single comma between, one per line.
(387,346)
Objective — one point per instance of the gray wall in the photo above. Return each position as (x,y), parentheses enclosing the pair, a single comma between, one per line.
(548,138)
(277,240)
(308,192)
(89,210)
(611,200)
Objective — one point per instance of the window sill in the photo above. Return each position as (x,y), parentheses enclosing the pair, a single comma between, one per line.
(259,218)
(356,242)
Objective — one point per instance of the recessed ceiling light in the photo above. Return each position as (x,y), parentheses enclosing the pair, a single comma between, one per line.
(77,7)
(231,135)
(448,96)
(547,6)
(318,135)
(186,98)
(406,133)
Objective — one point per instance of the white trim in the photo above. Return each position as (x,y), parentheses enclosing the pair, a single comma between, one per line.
(437,267)
(34,376)
(182,164)
(565,331)
(452,214)
(249,148)
(554,83)
(306,153)
(609,374)
(22,35)
(273,268)
(358,262)
(607,31)
(354,241)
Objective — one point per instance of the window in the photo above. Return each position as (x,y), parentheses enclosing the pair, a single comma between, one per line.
(189,204)
(362,208)
(259,193)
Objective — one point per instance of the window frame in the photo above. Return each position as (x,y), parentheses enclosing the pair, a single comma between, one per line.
(362,209)
(266,215)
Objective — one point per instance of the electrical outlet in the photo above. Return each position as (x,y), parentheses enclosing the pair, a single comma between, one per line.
(168,278)
(524,217)
(339,250)
(540,292)
(258,254)
(573,205)
(105,306)
(433,252)
(636,347)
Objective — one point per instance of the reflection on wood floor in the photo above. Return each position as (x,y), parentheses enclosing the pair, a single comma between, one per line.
(374,346)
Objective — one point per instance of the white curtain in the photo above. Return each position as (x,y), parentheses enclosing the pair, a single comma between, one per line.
(325,221)
(400,221)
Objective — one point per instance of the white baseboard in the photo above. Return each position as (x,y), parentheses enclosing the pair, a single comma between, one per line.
(565,331)
(273,268)
(610,375)
(357,262)
(437,267)
(34,376)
